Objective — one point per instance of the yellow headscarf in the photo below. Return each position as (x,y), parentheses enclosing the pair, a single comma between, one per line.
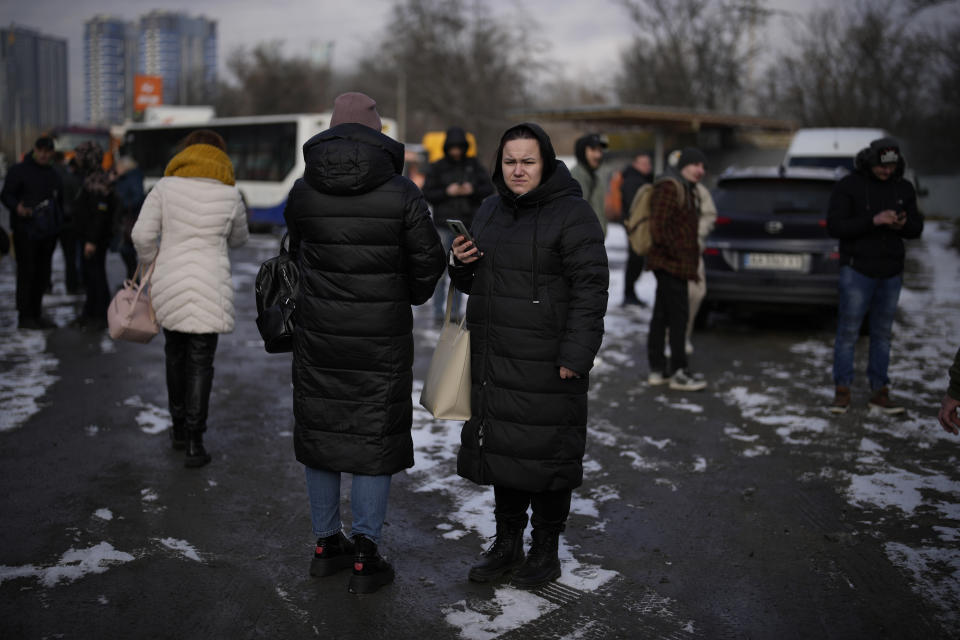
(201,161)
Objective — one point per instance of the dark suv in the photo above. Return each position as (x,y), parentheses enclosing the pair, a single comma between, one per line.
(770,244)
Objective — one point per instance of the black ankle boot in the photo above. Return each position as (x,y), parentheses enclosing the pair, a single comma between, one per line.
(505,554)
(178,436)
(197,456)
(542,563)
(370,570)
(333,553)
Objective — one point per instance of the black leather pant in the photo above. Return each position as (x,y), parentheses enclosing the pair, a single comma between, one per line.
(189,376)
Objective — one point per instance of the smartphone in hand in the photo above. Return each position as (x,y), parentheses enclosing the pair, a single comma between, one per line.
(460,229)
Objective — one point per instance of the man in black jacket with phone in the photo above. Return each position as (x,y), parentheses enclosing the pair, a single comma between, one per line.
(455,186)
(872,211)
(32,193)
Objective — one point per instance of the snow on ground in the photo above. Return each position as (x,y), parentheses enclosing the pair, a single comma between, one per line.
(182,547)
(26,372)
(152,419)
(73,565)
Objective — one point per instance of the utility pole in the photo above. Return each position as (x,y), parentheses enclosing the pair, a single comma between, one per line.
(402,105)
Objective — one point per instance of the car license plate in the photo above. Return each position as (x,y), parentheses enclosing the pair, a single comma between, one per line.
(775,261)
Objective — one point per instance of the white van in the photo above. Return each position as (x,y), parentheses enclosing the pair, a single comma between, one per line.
(830,147)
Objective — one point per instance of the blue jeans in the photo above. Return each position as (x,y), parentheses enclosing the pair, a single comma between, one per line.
(440,293)
(877,299)
(368,499)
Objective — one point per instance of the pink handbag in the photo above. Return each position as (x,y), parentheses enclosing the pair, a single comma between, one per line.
(130,315)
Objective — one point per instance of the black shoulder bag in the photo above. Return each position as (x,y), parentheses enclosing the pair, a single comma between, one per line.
(277,284)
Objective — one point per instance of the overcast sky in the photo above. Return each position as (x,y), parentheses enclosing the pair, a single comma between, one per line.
(584,36)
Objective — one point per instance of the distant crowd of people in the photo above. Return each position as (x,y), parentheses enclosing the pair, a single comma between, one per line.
(87,209)
(370,245)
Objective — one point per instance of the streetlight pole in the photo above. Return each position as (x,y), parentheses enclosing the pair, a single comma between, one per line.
(402,105)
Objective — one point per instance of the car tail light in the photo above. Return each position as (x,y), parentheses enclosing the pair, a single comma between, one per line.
(711,252)
(834,256)
(723,220)
(822,223)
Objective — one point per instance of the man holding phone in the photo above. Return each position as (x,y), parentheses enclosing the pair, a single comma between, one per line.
(871,212)
(455,186)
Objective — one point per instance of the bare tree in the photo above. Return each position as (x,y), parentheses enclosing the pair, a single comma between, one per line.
(690,53)
(872,64)
(459,66)
(270,83)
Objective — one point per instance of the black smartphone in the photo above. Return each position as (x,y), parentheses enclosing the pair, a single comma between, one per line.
(460,229)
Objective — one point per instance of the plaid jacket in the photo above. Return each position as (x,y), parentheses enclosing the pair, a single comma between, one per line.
(674,231)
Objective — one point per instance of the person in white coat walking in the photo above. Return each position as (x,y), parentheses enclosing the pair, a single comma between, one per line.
(187,223)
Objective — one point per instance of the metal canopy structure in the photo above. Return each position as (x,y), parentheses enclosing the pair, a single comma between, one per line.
(659,119)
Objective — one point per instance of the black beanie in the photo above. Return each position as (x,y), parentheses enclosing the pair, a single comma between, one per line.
(691,155)
(884,151)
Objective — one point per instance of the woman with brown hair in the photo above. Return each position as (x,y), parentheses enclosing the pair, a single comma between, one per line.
(197,210)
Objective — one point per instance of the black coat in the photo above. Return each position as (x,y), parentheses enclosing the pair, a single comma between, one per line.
(367,250)
(537,300)
(875,251)
(29,183)
(447,171)
(94,215)
(632,181)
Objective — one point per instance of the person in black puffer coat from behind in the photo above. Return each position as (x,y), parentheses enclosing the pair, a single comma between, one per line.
(367,250)
(537,281)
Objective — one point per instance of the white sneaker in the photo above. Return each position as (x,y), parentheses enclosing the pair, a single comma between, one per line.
(655,379)
(689,348)
(683,381)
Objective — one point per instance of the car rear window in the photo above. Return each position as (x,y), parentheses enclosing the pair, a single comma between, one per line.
(773,196)
(822,161)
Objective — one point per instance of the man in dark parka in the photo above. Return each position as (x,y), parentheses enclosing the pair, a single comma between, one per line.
(367,250)
(538,295)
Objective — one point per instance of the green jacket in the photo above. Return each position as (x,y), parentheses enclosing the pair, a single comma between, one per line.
(595,195)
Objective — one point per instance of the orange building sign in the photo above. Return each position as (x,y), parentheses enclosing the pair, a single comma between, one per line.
(147,92)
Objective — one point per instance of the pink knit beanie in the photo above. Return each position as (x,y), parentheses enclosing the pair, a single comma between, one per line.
(355,107)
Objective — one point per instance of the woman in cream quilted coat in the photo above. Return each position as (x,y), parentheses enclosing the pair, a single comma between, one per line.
(188,221)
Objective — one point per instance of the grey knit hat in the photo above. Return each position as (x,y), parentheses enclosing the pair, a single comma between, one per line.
(356,107)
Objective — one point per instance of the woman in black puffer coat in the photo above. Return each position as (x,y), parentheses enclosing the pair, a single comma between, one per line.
(537,280)
(367,250)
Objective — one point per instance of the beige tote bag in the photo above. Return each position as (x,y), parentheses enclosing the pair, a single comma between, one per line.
(446,391)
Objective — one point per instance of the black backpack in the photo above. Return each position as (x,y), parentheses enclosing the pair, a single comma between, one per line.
(277,284)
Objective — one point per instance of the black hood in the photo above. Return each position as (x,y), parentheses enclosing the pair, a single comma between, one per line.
(351,158)
(580,149)
(555,182)
(549,156)
(870,157)
(456,137)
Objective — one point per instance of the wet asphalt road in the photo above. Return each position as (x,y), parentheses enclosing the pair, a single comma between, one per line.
(745,511)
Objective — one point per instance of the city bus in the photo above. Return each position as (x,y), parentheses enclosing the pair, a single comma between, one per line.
(266,152)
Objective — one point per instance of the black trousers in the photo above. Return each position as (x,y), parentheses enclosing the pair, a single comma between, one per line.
(671,309)
(189,376)
(632,273)
(69,244)
(33,271)
(95,278)
(550,508)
